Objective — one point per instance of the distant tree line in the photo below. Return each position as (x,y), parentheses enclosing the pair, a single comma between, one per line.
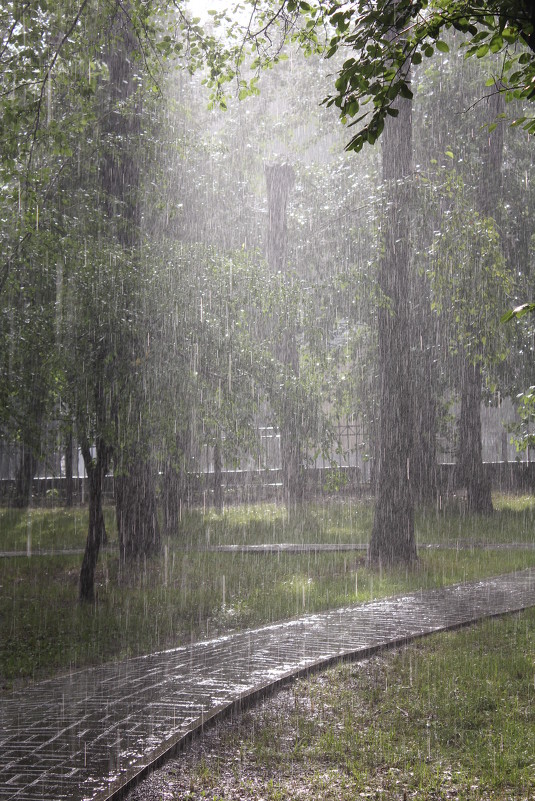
(147,305)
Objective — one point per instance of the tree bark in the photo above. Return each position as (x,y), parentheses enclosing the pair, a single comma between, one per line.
(424,454)
(135,484)
(471,469)
(24,478)
(69,481)
(120,165)
(392,540)
(174,491)
(171,497)
(31,444)
(135,505)
(96,471)
(218,478)
(279,181)
(471,472)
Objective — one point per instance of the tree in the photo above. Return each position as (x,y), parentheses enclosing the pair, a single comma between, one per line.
(392,540)
(52,70)
(385,39)
(470,461)
(38,117)
(28,359)
(231,185)
(379,66)
(469,156)
(135,491)
(279,181)
(95,365)
(470,281)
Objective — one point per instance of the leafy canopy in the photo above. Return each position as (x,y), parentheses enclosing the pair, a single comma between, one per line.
(388,37)
(384,38)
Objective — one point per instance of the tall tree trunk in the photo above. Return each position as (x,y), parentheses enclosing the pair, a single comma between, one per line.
(471,470)
(135,484)
(26,470)
(175,483)
(120,173)
(470,464)
(96,470)
(31,444)
(171,499)
(424,454)
(135,506)
(424,460)
(392,540)
(69,480)
(218,478)
(279,181)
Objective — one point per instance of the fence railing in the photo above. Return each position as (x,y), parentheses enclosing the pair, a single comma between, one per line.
(241,486)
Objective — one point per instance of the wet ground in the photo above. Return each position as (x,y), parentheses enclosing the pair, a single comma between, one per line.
(89,734)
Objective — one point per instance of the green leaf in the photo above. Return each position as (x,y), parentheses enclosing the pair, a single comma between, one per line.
(405,91)
(519,311)
(496,43)
(442,46)
(509,35)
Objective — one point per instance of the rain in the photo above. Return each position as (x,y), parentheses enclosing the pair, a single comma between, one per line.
(267,489)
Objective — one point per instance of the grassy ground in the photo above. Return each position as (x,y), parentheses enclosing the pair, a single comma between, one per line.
(449,717)
(187,593)
(351,521)
(39,529)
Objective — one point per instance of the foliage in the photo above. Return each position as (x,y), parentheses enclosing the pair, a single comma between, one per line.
(388,38)
(518,312)
(385,40)
(523,431)
(52,71)
(469,277)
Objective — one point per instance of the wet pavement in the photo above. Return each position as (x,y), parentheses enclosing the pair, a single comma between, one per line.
(340,547)
(90,734)
(298,547)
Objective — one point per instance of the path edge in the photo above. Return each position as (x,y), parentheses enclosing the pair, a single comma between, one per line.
(174,745)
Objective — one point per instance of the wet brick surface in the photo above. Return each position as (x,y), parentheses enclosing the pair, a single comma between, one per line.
(84,735)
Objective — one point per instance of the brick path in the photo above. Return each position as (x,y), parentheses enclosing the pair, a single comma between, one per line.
(88,734)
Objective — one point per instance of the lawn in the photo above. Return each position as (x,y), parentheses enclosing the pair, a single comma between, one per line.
(191,593)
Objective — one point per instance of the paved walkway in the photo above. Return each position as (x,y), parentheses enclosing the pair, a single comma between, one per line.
(340,547)
(299,547)
(91,733)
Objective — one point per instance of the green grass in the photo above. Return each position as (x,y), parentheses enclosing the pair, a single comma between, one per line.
(335,522)
(38,529)
(350,521)
(512,521)
(187,593)
(451,716)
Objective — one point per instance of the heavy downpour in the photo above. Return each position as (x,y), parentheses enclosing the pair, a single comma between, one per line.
(267,400)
